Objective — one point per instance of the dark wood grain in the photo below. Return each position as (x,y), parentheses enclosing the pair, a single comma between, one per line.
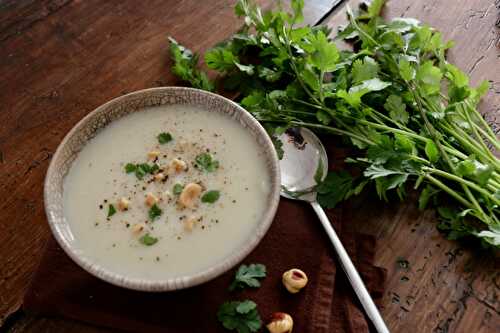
(61,59)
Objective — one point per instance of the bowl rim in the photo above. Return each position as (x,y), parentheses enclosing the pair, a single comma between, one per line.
(181,282)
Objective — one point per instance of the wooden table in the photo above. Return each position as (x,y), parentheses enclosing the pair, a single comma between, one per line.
(59,59)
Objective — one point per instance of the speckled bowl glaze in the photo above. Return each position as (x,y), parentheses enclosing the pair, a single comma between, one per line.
(119,107)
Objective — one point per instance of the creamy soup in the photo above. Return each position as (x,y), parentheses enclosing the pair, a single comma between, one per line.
(166,192)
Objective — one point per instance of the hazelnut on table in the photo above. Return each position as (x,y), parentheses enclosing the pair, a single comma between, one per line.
(280,323)
(294,280)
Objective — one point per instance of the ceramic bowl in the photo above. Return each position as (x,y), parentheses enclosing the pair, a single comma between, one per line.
(119,107)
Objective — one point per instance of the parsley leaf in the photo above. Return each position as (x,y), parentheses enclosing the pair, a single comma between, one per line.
(397,109)
(334,188)
(247,276)
(111,210)
(164,137)
(210,196)
(141,169)
(177,189)
(154,212)
(130,167)
(430,77)
(365,69)
(185,66)
(325,55)
(431,151)
(221,59)
(242,317)
(148,240)
(406,70)
(205,162)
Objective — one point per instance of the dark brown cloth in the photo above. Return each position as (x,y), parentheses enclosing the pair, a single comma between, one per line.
(296,239)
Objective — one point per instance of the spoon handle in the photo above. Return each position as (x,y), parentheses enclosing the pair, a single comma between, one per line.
(351,272)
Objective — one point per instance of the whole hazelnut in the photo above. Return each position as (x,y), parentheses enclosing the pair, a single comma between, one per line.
(294,280)
(280,323)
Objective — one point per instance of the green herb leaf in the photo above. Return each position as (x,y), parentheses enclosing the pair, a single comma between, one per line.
(430,77)
(164,138)
(210,196)
(242,317)
(154,212)
(204,161)
(148,240)
(130,167)
(406,70)
(431,151)
(185,66)
(334,188)
(247,276)
(492,235)
(111,210)
(363,70)
(177,189)
(325,55)
(370,85)
(397,109)
(220,59)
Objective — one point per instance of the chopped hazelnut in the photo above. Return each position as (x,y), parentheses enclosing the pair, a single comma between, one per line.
(123,204)
(159,176)
(294,280)
(280,323)
(178,165)
(189,195)
(151,199)
(189,223)
(153,154)
(137,228)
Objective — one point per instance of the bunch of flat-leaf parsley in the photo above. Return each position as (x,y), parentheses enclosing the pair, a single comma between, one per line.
(409,115)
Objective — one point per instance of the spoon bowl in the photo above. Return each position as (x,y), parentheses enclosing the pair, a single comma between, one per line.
(304,164)
(303,167)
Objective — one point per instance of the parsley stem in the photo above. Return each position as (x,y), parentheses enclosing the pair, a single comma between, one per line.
(389,119)
(333,130)
(433,133)
(478,137)
(462,181)
(451,192)
(463,138)
(304,113)
(494,142)
(294,67)
(485,124)
(321,79)
(307,104)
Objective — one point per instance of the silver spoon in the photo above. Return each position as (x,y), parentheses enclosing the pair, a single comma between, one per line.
(304,164)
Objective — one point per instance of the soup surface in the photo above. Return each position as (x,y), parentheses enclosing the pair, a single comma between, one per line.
(166,192)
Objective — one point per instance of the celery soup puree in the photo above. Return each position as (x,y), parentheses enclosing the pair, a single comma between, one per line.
(166,192)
